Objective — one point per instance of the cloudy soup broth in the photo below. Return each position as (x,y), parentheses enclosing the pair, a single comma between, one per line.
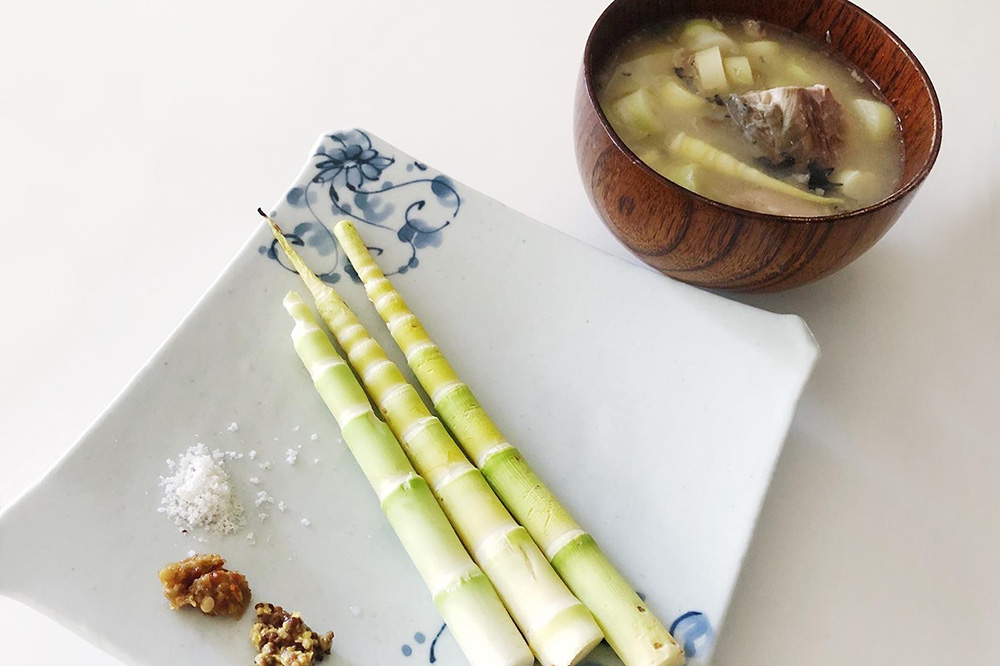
(752,115)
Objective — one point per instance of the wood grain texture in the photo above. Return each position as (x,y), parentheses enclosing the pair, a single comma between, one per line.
(717,246)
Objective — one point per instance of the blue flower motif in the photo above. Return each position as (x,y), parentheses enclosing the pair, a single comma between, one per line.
(356,162)
(694,632)
(351,176)
(420,638)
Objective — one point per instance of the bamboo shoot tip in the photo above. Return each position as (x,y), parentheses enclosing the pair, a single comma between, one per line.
(292,299)
(275,229)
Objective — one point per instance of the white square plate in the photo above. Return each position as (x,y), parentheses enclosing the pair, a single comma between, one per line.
(655,411)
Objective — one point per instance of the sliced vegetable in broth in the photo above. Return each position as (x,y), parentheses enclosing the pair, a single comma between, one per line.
(752,115)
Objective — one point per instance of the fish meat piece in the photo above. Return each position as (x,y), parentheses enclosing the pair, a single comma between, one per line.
(753,28)
(790,124)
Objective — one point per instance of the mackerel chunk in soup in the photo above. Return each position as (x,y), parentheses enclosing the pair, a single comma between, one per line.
(752,115)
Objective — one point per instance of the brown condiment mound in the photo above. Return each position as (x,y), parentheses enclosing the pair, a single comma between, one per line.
(202,582)
(283,639)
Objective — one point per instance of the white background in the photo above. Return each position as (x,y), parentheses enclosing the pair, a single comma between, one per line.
(136,140)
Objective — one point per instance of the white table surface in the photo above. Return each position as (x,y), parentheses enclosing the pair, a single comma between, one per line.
(125,126)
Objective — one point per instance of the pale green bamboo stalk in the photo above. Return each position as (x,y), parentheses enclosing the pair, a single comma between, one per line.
(559,629)
(630,628)
(712,158)
(462,593)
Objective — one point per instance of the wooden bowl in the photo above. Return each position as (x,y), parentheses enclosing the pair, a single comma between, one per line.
(714,245)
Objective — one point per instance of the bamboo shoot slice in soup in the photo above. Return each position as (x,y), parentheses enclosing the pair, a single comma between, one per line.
(813,135)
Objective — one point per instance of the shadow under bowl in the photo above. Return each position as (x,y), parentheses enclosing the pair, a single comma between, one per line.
(717,246)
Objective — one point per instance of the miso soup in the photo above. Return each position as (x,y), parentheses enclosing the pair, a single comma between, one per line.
(752,115)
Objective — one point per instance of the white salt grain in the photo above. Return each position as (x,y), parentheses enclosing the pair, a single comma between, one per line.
(306,522)
(314,436)
(252,454)
(233,427)
(266,465)
(281,507)
(255,480)
(295,429)
(355,611)
(198,493)
(291,456)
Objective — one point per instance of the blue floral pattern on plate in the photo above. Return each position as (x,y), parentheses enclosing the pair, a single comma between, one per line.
(400,208)
(691,629)
(694,633)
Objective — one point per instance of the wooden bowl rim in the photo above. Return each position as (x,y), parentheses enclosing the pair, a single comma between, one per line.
(899,193)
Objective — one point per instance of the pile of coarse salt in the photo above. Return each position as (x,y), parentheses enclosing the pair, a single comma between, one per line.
(198,493)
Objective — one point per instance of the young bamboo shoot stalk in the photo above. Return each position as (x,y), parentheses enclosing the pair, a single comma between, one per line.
(462,593)
(559,629)
(699,152)
(630,628)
